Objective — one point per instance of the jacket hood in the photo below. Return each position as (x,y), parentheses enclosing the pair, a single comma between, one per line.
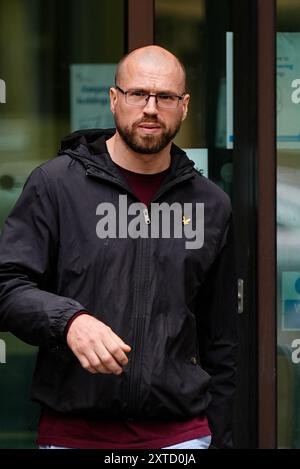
(88,147)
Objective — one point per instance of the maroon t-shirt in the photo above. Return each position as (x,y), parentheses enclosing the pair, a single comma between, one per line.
(60,429)
(144,186)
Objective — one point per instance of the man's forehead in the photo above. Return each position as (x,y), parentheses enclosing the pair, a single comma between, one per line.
(142,72)
(154,64)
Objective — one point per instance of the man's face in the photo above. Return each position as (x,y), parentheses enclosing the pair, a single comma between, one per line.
(148,129)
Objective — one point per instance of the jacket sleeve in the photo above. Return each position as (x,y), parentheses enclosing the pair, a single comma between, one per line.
(29,307)
(217,331)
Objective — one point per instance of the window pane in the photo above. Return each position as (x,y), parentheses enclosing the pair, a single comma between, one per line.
(199,33)
(288,222)
(39,42)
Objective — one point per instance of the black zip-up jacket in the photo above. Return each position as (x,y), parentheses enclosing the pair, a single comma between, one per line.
(175,306)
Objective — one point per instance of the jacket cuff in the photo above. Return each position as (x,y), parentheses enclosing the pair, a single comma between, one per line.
(68,325)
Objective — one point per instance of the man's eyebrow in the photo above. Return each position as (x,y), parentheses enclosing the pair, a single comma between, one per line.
(146,90)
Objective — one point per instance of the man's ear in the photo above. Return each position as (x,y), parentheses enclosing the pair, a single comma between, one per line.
(113,99)
(185,104)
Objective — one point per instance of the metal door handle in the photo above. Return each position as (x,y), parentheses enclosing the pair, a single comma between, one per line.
(240,295)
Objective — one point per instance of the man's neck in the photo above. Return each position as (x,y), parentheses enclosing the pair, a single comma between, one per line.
(122,155)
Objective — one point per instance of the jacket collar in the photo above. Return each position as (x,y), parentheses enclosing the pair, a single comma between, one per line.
(88,147)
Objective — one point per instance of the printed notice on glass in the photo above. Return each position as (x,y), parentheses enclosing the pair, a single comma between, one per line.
(291,301)
(288,90)
(90,84)
(224,116)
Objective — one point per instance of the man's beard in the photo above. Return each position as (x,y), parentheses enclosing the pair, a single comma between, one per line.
(147,144)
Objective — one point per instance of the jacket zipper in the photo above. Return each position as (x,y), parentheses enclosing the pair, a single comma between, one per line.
(140,315)
(140,300)
(139,310)
(146,216)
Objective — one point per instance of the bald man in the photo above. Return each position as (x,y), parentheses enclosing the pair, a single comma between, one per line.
(117,261)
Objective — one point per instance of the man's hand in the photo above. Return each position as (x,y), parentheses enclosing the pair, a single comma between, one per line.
(96,346)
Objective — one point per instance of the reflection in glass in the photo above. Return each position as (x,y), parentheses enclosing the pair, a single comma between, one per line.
(39,42)
(288,225)
(197,32)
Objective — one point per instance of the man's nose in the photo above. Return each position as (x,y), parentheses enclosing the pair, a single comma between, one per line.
(151,105)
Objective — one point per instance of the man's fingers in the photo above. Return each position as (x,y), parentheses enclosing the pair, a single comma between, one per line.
(93,364)
(116,347)
(120,342)
(96,346)
(107,354)
(84,362)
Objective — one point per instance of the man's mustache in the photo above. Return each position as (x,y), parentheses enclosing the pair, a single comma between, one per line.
(149,121)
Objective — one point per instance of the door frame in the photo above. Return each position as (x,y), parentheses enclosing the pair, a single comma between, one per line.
(140,23)
(254,205)
(267,262)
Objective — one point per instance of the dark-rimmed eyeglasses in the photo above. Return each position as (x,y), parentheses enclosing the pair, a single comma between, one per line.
(140,98)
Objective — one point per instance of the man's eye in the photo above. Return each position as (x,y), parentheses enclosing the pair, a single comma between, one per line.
(138,94)
(166,97)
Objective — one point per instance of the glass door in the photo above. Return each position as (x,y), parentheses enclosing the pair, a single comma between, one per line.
(216,42)
(57,59)
(200,34)
(57,54)
(288,223)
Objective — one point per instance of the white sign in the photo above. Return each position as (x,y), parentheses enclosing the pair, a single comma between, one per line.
(2,351)
(2,92)
(288,90)
(224,122)
(291,301)
(90,84)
